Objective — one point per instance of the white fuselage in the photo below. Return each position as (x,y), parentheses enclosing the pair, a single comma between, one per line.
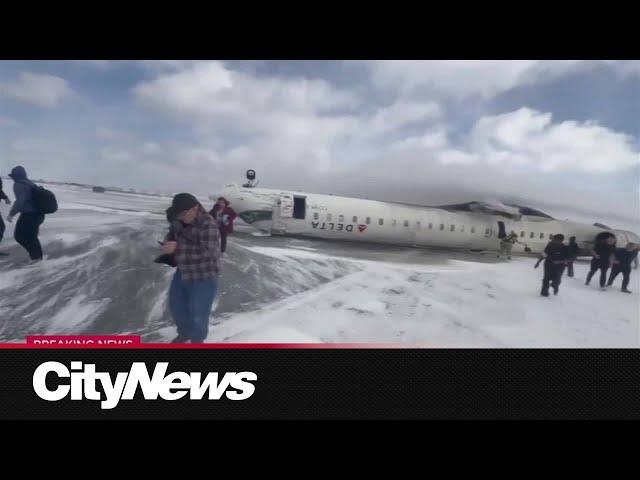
(354,219)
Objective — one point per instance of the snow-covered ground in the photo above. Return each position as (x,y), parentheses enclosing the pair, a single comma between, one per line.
(461,304)
(99,278)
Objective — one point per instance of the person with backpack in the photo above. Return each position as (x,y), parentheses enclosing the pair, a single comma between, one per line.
(32,203)
(3,196)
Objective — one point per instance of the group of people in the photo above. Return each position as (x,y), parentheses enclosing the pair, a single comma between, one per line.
(194,244)
(605,255)
(28,225)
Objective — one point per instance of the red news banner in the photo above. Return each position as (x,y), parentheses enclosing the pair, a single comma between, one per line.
(134,341)
(91,341)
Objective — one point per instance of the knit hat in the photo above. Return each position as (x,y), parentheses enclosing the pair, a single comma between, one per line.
(182,202)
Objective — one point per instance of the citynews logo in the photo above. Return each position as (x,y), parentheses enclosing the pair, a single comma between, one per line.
(174,386)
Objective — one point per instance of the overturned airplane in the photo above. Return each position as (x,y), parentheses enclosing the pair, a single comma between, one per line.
(471,226)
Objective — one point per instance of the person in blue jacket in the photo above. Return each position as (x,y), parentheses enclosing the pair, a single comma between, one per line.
(623,258)
(28,225)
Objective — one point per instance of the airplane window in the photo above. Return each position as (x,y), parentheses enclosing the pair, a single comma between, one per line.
(541,236)
(462,229)
(316,216)
(430,225)
(380,221)
(406,223)
(442,226)
(473,229)
(393,222)
(522,234)
(355,219)
(368,220)
(340,218)
(531,235)
(487,231)
(329,217)
(452,227)
(418,224)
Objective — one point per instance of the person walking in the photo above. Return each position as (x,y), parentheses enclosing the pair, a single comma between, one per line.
(194,241)
(28,226)
(556,255)
(623,258)
(224,216)
(506,244)
(604,246)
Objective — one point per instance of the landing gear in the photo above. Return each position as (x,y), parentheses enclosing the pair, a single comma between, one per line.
(251,177)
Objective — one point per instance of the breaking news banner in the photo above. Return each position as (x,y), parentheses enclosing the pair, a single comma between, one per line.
(319,240)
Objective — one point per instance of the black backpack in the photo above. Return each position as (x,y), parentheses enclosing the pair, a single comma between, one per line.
(44,200)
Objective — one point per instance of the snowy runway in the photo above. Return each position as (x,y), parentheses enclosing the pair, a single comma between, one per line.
(99,278)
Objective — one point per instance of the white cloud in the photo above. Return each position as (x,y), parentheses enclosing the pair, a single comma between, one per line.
(210,90)
(435,139)
(402,113)
(45,91)
(486,78)
(529,139)
(281,119)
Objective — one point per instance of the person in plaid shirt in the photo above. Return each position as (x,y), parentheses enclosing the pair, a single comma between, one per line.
(194,241)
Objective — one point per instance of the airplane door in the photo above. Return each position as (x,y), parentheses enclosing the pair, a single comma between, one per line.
(502,231)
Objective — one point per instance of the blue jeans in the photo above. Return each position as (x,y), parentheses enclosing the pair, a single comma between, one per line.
(190,304)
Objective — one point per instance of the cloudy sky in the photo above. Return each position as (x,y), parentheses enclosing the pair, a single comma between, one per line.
(557,134)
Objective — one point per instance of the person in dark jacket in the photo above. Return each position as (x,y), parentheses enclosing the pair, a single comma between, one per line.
(224,216)
(28,226)
(574,249)
(3,196)
(604,245)
(556,256)
(623,258)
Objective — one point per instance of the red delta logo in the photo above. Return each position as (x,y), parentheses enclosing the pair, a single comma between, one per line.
(362,228)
